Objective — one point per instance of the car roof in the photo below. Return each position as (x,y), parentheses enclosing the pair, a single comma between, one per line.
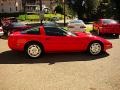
(77,20)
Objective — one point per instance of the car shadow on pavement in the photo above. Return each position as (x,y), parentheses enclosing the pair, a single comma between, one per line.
(10,57)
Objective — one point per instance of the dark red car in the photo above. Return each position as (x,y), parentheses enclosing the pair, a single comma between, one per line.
(15,26)
(46,39)
(107,26)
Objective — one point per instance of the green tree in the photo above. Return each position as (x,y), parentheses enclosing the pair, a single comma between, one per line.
(84,8)
(116,8)
(59,9)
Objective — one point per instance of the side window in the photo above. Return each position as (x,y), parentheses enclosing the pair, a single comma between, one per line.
(52,31)
(33,31)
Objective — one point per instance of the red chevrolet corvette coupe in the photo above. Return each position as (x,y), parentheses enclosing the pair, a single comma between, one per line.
(46,39)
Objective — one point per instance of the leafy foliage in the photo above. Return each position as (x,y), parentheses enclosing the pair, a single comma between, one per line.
(35,17)
(59,9)
(93,9)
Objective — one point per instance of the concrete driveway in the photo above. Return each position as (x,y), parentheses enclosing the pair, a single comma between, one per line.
(66,71)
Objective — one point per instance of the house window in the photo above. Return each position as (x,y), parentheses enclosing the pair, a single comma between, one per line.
(16,8)
(1,3)
(10,9)
(2,10)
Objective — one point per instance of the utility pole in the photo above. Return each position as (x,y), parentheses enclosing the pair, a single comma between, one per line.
(40,1)
(64,13)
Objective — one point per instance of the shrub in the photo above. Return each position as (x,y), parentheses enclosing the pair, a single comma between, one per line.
(59,9)
(35,17)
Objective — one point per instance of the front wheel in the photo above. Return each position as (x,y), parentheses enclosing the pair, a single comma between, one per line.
(33,50)
(95,48)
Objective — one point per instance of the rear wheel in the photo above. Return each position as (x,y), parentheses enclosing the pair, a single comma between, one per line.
(95,48)
(33,50)
(116,35)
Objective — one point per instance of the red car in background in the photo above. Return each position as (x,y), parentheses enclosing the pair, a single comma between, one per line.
(46,39)
(15,26)
(107,26)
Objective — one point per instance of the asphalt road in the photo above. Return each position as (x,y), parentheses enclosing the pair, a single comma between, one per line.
(66,71)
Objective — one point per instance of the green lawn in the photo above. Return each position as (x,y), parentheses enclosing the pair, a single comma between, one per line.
(89,27)
(35,17)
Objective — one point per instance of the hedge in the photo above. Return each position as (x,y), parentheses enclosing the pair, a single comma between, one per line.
(35,17)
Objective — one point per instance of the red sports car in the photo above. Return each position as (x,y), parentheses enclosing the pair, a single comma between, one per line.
(107,26)
(46,39)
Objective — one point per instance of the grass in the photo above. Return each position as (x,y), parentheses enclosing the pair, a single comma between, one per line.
(89,27)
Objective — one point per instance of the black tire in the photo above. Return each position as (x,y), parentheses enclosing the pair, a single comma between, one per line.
(33,50)
(116,35)
(95,48)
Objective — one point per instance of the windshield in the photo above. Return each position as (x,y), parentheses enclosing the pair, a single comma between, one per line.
(76,21)
(18,24)
(50,24)
(68,32)
(109,21)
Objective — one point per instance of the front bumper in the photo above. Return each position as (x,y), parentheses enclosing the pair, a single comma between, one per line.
(108,46)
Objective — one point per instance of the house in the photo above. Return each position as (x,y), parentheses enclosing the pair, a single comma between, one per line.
(31,6)
(10,6)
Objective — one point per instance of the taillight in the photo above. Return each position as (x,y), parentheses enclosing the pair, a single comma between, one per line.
(1,30)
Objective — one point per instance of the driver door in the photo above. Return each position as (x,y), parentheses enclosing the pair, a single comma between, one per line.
(56,40)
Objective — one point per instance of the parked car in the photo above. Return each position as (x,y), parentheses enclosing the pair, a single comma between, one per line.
(76,26)
(13,19)
(8,20)
(45,39)
(107,26)
(15,26)
(1,31)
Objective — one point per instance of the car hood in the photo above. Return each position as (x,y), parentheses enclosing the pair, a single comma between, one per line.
(83,34)
(92,37)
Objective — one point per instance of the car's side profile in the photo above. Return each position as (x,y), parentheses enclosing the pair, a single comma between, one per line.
(107,26)
(46,39)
